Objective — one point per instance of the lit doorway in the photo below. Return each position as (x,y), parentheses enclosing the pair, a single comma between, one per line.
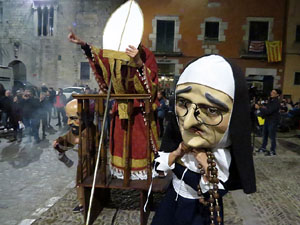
(166,73)
(263,85)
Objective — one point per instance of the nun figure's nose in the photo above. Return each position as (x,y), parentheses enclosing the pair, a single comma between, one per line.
(190,119)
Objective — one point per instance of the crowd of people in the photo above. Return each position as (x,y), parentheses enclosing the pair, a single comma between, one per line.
(290,115)
(25,111)
(289,112)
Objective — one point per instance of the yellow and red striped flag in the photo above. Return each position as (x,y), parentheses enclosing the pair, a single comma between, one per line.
(274,51)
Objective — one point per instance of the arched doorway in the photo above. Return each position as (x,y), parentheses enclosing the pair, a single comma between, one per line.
(19,70)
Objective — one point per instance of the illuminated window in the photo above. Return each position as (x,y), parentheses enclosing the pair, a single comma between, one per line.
(51,21)
(166,69)
(45,20)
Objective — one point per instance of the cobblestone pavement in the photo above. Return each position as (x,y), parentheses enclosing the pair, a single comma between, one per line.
(31,177)
(122,210)
(275,202)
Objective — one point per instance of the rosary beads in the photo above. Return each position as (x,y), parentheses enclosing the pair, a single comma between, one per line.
(213,180)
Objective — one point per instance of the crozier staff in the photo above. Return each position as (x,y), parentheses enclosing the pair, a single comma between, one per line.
(208,145)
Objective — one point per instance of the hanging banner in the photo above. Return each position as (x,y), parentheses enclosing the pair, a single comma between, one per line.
(257,46)
(274,51)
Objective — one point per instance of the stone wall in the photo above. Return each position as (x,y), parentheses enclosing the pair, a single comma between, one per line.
(52,59)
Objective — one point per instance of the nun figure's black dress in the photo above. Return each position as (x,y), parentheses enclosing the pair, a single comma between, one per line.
(177,210)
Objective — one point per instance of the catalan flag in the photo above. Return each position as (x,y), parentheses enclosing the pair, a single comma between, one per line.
(274,51)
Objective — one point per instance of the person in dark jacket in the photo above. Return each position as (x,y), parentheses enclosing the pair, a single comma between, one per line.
(2,90)
(43,111)
(30,105)
(16,119)
(44,88)
(6,109)
(272,118)
(51,94)
(60,102)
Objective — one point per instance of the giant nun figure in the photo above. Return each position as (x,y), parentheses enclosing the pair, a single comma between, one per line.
(207,143)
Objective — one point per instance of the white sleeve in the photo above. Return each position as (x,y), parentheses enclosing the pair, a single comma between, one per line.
(163,160)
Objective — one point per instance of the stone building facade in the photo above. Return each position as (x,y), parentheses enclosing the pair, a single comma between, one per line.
(33,38)
(291,84)
(222,27)
(176,31)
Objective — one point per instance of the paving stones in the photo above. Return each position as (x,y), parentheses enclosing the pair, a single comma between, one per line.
(277,200)
(32,182)
(122,210)
(30,176)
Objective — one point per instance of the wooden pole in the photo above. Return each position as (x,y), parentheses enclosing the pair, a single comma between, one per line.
(103,153)
(80,105)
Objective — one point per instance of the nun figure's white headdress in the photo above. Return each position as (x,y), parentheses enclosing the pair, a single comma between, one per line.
(212,71)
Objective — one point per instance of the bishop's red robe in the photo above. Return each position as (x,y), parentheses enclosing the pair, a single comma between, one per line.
(127,79)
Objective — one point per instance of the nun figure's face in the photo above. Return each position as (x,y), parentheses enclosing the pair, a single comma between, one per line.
(203,114)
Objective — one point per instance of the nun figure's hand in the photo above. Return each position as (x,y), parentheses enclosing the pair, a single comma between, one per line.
(178,153)
(133,52)
(200,155)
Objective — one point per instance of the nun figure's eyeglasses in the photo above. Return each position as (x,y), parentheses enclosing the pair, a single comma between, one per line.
(204,114)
